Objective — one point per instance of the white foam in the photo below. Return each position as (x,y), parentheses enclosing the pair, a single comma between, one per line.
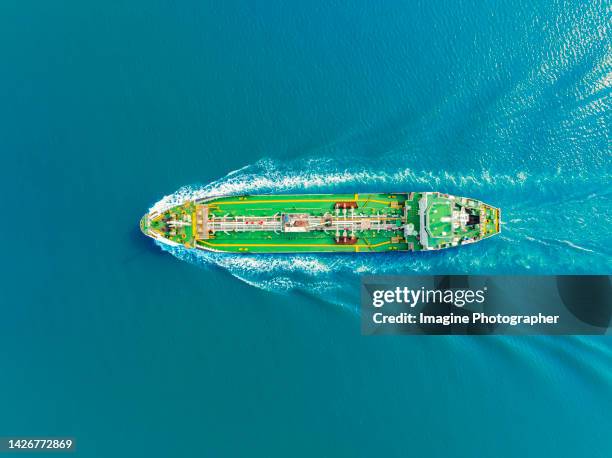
(526,200)
(578,247)
(269,176)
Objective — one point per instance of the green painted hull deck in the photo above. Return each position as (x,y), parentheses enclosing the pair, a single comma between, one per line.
(303,223)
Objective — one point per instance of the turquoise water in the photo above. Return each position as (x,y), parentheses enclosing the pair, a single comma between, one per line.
(105,109)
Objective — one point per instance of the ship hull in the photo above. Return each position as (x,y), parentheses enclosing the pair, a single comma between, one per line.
(331,223)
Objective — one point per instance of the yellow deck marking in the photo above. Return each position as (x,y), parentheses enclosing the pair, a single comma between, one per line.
(308,245)
(291,201)
(194,232)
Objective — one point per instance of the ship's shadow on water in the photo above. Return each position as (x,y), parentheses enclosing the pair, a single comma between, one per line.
(141,244)
(326,277)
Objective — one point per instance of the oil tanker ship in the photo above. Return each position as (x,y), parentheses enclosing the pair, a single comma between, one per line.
(347,223)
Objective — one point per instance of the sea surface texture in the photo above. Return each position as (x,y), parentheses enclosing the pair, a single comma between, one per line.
(109,109)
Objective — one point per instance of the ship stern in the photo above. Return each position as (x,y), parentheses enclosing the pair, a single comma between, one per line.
(492,221)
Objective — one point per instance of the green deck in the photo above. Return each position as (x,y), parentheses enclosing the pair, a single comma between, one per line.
(262,223)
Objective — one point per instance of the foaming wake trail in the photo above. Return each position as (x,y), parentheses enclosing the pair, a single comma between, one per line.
(553,223)
(319,175)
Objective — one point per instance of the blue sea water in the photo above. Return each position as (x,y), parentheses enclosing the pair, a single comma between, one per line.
(107,107)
